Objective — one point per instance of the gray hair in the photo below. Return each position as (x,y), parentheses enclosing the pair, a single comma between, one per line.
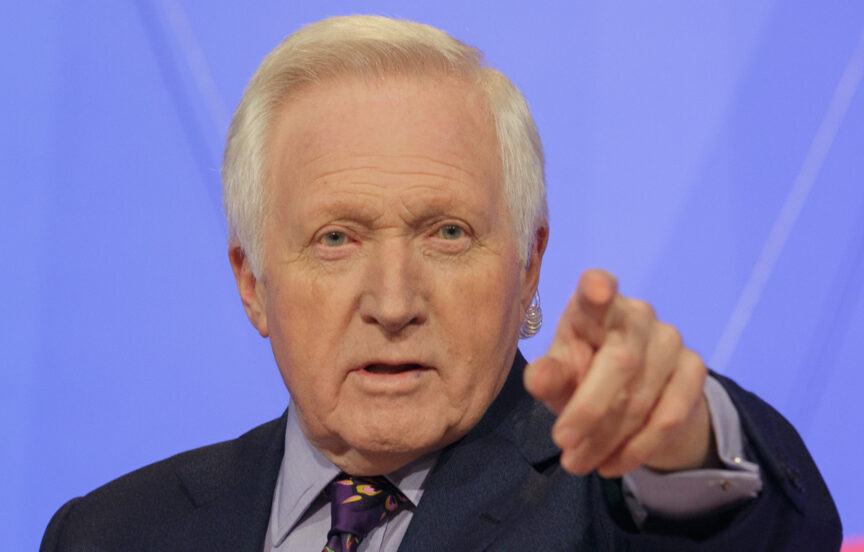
(373,46)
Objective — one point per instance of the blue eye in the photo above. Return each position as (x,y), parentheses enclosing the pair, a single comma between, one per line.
(451,232)
(334,239)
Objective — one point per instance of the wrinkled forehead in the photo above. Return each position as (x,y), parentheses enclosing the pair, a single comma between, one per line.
(443,118)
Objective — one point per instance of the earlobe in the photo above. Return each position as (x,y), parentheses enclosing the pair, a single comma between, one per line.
(250,289)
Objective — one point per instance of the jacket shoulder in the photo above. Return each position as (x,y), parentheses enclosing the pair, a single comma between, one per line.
(121,513)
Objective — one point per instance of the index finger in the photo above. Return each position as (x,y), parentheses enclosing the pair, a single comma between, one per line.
(595,305)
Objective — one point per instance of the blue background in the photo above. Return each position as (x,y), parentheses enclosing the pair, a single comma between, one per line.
(708,153)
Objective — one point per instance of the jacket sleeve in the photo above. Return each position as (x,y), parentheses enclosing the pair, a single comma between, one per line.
(794,511)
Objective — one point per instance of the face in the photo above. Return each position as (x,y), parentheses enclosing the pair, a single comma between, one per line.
(391,286)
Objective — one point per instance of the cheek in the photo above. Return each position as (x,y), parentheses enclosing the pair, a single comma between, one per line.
(306,317)
(482,322)
(487,300)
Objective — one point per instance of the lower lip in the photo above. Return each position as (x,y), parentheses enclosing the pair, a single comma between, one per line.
(394,383)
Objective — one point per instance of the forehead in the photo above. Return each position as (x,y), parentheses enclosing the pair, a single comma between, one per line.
(408,124)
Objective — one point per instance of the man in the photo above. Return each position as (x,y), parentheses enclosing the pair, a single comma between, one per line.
(386,203)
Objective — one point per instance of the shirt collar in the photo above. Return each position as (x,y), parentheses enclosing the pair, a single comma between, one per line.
(305,472)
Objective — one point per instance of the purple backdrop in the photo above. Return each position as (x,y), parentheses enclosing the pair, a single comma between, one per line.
(710,154)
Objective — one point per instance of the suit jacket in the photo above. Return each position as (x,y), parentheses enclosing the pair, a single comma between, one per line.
(498,488)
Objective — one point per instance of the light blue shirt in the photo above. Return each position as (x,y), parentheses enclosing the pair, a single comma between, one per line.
(300,515)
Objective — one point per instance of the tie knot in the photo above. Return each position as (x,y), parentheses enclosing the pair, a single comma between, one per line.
(357,505)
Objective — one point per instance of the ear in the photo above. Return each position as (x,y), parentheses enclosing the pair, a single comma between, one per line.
(532,268)
(251,290)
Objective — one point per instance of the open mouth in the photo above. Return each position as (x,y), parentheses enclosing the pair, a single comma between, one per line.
(392,369)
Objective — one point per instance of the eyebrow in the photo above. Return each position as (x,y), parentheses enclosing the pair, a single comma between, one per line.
(362,209)
(367,209)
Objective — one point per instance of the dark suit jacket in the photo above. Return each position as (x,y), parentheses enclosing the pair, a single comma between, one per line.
(498,488)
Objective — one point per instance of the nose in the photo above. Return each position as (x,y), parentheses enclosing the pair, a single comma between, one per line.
(393,297)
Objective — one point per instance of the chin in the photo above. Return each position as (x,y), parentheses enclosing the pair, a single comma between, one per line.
(370,455)
(383,445)
(398,437)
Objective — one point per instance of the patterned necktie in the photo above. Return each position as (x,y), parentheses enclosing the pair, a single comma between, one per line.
(357,505)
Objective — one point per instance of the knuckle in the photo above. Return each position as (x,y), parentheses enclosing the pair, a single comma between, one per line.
(634,420)
(589,413)
(670,421)
(669,337)
(634,456)
(692,358)
(622,401)
(642,308)
(692,362)
(640,404)
(624,358)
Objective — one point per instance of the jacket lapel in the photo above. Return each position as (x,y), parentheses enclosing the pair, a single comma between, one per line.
(486,480)
(231,494)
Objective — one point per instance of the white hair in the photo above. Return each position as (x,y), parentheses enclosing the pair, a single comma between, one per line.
(373,46)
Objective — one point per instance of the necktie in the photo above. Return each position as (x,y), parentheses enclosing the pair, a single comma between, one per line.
(357,505)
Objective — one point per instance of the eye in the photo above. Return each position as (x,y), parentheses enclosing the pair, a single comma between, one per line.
(451,232)
(334,238)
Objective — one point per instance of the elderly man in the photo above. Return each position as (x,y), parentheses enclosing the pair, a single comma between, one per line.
(386,202)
